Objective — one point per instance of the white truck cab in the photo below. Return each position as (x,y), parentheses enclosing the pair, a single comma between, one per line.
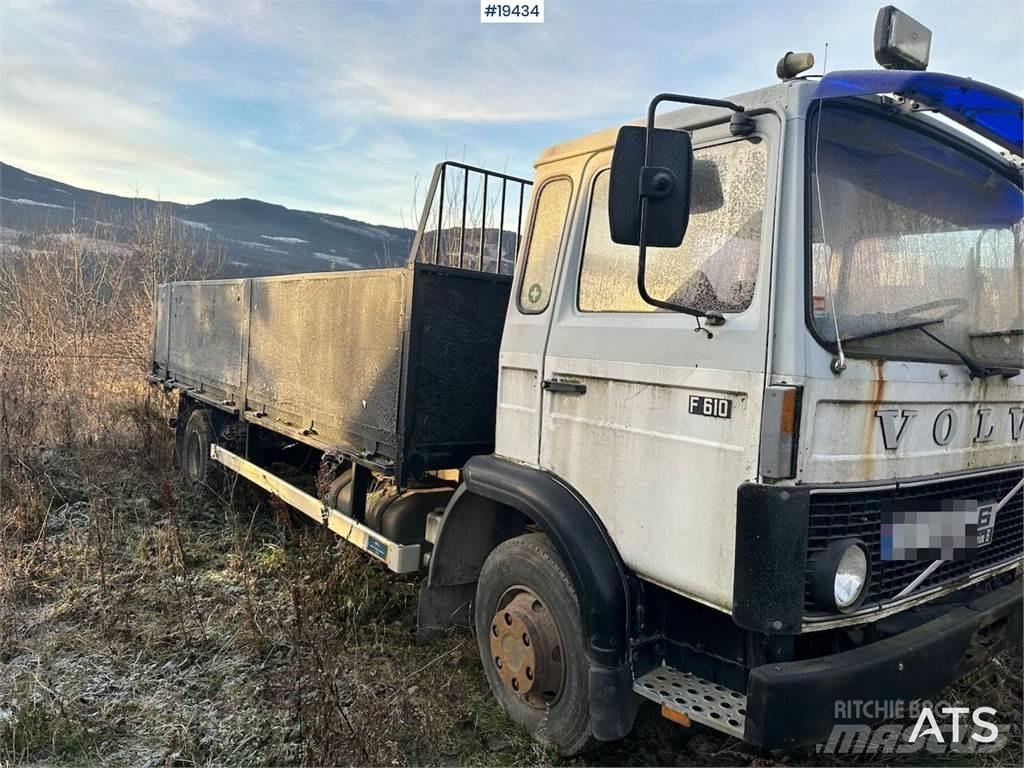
(746,405)
(861,261)
(922,229)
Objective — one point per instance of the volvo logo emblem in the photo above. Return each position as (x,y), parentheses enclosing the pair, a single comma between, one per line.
(896,422)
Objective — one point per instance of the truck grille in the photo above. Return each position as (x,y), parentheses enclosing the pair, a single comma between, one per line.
(858,515)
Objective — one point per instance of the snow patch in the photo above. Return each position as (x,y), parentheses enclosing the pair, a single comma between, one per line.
(367,230)
(262,247)
(338,260)
(23,201)
(292,240)
(193,224)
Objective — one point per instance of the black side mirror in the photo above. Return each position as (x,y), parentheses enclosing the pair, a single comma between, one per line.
(664,180)
(649,190)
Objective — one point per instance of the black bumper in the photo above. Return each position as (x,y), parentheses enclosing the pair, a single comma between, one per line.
(793,703)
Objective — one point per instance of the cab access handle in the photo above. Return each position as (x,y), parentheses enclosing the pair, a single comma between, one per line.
(566,387)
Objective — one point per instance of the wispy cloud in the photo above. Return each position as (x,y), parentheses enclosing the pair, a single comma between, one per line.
(340,106)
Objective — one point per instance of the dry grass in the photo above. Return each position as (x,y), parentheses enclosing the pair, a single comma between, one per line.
(140,625)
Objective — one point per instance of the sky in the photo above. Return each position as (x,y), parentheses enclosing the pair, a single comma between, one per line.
(345,106)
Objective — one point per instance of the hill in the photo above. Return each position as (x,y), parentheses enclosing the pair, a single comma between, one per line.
(257,238)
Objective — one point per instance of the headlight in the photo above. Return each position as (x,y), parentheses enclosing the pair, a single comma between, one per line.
(841,575)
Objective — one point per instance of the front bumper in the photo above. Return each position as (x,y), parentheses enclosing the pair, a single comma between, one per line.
(794,703)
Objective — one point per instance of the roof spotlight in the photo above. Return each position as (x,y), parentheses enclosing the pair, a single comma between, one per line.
(901,42)
(792,64)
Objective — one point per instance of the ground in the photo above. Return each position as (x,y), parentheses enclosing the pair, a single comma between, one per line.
(142,625)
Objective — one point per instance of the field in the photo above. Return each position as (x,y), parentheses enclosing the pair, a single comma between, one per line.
(142,625)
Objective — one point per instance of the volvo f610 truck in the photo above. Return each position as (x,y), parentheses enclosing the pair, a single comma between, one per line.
(724,412)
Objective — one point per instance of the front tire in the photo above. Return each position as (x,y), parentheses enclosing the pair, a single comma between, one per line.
(530,639)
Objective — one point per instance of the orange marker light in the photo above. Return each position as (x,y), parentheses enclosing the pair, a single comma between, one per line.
(788,416)
(679,718)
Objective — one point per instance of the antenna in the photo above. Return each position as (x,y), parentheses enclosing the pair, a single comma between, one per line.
(824,64)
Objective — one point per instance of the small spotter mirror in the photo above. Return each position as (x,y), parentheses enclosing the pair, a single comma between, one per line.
(901,42)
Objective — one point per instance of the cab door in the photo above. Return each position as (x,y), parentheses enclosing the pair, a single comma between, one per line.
(654,422)
(528,321)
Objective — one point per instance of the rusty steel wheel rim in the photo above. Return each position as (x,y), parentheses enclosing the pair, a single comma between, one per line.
(526,648)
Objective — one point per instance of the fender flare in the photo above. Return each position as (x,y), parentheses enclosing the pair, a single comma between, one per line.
(496,500)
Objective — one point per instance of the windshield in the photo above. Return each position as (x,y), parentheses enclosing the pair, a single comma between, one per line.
(907,228)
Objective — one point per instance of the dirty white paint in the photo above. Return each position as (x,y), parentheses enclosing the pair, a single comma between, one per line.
(901,420)
(663,480)
(518,420)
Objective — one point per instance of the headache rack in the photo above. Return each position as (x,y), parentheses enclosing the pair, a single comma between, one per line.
(470,209)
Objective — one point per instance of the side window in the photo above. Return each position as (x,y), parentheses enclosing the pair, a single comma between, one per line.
(542,245)
(714,268)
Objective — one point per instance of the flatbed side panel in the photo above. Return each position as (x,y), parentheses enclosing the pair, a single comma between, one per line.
(325,355)
(451,391)
(202,322)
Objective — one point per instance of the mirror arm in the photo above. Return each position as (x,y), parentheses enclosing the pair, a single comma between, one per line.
(740,125)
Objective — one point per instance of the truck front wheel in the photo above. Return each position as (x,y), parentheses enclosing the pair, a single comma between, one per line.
(531,642)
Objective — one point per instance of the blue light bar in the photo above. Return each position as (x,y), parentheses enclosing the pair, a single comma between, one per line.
(988,111)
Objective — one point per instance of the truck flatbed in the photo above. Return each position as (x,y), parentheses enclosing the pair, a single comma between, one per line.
(395,368)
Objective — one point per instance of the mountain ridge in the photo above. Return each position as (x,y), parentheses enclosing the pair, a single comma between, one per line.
(257,237)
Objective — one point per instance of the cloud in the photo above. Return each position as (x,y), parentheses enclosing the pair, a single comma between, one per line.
(340,106)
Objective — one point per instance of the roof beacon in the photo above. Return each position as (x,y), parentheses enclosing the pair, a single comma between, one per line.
(792,64)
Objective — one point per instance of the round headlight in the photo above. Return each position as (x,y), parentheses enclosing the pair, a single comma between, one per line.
(841,575)
(851,576)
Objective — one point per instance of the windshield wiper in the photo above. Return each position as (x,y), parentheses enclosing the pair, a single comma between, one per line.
(894,329)
(977,370)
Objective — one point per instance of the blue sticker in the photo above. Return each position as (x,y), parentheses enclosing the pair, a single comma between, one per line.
(378,548)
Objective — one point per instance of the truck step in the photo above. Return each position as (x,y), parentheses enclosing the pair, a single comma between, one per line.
(702,701)
(400,558)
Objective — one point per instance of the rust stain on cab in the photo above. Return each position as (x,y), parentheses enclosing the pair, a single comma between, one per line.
(877,398)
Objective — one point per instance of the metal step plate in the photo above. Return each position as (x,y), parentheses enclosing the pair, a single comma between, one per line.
(704,702)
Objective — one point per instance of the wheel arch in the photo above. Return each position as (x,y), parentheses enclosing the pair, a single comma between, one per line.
(498,499)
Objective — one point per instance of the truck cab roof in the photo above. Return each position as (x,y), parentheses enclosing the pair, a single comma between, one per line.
(979,109)
(777,98)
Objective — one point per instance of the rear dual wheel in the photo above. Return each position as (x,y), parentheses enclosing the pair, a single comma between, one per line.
(193,443)
(531,642)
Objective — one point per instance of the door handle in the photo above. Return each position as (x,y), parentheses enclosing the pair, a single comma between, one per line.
(565,387)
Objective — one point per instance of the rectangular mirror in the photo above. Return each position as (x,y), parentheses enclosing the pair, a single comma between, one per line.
(666,178)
